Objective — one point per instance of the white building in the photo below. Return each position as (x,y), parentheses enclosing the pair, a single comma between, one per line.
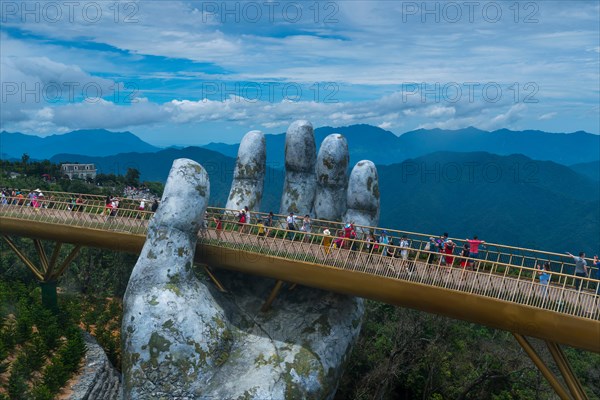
(79,171)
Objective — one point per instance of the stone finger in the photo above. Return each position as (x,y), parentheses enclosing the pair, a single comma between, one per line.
(300,155)
(168,349)
(249,174)
(332,179)
(363,195)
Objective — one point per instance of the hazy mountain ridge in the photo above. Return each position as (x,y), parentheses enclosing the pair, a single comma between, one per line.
(92,142)
(590,169)
(385,148)
(365,142)
(503,199)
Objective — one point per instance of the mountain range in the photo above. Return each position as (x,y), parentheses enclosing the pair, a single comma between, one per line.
(365,142)
(94,142)
(504,199)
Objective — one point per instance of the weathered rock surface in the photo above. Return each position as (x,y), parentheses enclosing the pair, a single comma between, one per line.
(171,329)
(98,379)
(293,351)
(332,181)
(300,183)
(249,174)
(363,195)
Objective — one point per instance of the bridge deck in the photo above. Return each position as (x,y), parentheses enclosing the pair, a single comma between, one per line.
(494,293)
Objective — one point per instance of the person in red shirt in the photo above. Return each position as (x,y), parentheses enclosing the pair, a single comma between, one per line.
(219,227)
(474,247)
(241,220)
(449,249)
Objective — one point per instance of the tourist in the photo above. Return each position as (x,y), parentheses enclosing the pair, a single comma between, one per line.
(241,220)
(79,204)
(449,247)
(141,209)
(154,206)
(326,240)
(306,226)
(465,253)
(545,277)
(248,219)
(290,225)
(261,229)
(269,222)
(384,240)
(338,242)
(432,247)
(581,269)
(371,243)
(474,248)
(219,226)
(404,245)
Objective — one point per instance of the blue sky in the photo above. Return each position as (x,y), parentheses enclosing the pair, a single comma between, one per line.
(189,73)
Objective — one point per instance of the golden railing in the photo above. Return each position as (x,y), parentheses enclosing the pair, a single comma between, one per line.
(502,272)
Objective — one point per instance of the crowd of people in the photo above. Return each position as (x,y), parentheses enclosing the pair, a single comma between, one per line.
(442,249)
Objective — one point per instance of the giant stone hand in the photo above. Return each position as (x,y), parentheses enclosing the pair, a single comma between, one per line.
(183,339)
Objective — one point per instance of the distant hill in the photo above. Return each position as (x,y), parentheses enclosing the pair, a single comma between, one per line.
(365,142)
(505,199)
(96,142)
(384,148)
(591,170)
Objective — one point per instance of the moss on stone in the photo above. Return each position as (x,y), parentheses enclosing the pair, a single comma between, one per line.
(173,288)
(324,326)
(303,362)
(153,301)
(293,193)
(376,191)
(328,162)
(248,394)
(309,330)
(260,361)
(324,179)
(369,182)
(151,255)
(157,345)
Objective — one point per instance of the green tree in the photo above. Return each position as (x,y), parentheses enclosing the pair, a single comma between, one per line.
(25,160)
(132,177)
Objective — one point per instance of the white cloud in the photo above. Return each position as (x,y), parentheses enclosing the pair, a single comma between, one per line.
(546,116)
(370,52)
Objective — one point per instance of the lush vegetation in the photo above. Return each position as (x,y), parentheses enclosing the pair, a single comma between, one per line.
(39,350)
(406,354)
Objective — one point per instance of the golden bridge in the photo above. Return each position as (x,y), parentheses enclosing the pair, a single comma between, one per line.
(500,289)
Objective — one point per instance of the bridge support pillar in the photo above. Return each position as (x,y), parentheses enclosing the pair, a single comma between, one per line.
(213,278)
(575,388)
(565,369)
(272,296)
(48,271)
